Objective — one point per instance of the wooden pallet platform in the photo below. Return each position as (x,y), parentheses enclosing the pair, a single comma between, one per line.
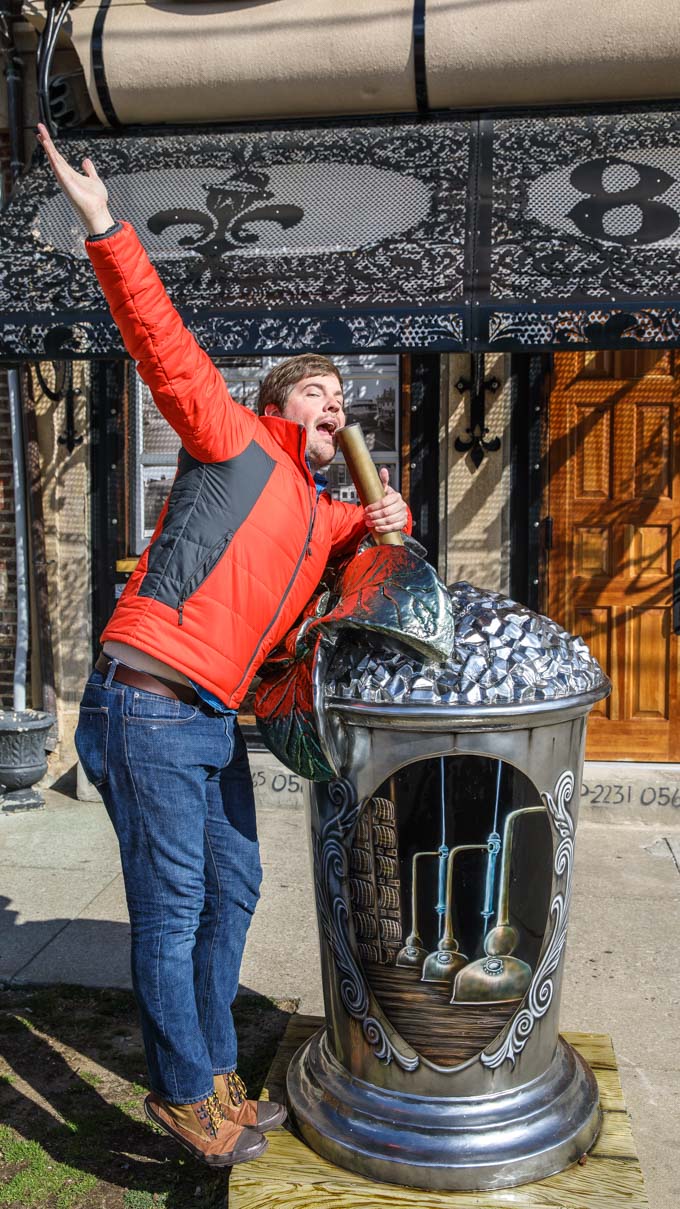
(290,1176)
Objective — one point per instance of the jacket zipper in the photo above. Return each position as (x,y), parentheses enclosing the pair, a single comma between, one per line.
(306,551)
(221,545)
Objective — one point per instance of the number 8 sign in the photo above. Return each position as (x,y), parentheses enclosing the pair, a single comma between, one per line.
(626,201)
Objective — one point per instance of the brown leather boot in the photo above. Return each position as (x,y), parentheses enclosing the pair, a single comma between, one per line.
(204,1130)
(258,1114)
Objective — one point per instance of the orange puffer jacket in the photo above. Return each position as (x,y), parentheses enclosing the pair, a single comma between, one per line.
(244,537)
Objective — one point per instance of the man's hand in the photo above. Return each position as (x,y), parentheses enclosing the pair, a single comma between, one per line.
(85,191)
(388,515)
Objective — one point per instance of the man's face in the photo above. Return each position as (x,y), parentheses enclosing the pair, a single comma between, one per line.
(316,403)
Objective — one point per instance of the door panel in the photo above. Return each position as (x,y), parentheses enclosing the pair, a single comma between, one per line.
(647,550)
(595,627)
(614,496)
(593,446)
(649,655)
(653,472)
(592,550)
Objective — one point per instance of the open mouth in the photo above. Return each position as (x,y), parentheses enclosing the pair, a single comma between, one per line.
(328,427)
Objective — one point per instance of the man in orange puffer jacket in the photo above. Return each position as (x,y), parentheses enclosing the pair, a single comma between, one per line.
(238,551)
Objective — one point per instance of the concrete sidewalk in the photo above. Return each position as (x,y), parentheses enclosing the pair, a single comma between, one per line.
(64,920)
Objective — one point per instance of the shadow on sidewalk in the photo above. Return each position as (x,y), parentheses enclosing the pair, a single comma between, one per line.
(90,952)
(73,1082)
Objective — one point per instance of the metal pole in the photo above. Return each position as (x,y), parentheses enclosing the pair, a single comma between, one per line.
(14,75)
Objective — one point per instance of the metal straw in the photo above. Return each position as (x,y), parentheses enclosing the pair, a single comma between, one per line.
(443,854)
(494,842)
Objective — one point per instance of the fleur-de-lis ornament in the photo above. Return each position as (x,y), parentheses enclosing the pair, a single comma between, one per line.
(232,207)
(475,443)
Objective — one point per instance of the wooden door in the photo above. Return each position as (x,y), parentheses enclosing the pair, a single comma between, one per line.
(614,499)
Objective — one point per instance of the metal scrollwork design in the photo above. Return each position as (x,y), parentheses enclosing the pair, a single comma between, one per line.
(331,865)
(542,989)
(569,328)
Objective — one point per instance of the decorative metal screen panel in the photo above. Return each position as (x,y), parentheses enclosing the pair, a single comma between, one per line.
(431,234)
(580,230)
(340,238)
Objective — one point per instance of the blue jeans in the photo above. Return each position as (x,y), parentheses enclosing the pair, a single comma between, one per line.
(176,784)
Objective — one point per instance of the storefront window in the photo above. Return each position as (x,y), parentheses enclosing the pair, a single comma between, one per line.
(371,399)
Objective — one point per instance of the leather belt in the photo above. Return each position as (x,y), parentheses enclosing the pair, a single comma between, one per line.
(148,684)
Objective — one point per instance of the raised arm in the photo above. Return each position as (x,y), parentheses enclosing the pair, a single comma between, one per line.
(186,386)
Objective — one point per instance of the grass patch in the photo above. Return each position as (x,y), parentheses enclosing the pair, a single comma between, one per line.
(140,1200)
(90,1077)
(75,1138)
(38,1179)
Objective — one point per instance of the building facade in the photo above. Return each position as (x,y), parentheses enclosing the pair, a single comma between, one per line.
(500,286)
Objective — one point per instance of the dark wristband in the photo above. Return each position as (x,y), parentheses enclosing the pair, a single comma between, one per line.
(112,230)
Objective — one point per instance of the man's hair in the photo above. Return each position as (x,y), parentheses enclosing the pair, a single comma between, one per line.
(283,377)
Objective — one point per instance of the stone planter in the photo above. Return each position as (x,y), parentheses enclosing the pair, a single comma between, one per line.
(22,757)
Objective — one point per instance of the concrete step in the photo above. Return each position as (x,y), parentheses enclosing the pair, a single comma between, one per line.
(274,785)
(611,792)
(623,792)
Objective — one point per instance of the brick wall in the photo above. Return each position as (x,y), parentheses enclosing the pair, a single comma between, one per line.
(8,578)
